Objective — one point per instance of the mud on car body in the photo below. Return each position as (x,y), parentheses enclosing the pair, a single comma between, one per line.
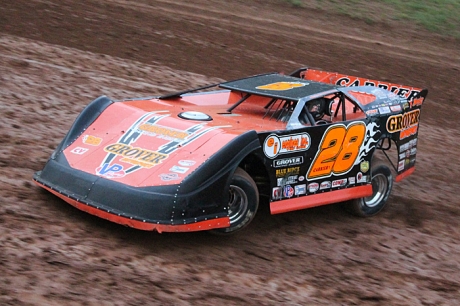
(200,159)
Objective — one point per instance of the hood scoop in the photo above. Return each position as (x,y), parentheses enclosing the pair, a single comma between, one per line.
(197,116)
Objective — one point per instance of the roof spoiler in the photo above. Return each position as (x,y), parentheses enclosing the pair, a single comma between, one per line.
(409,92)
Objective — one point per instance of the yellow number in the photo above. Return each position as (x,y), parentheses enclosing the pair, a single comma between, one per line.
(328,151)
(350,148)
(338,150)
(281,86)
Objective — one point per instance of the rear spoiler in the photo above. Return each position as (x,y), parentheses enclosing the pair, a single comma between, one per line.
(412,94)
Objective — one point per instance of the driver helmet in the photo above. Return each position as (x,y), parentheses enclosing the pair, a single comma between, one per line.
(317,108)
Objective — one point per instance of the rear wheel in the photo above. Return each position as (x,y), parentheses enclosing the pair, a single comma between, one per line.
(382,183)
(243,202)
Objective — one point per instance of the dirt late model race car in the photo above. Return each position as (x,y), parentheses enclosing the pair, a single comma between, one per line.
(201,158)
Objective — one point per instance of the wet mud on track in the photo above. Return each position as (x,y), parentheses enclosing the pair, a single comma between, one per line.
(56,56)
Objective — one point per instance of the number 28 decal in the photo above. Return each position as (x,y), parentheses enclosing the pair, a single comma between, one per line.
(338,150)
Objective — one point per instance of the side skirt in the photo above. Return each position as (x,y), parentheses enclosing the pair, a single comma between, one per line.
(319,199)
(405,174)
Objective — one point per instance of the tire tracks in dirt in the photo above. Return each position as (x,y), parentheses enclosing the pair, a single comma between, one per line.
(297,28)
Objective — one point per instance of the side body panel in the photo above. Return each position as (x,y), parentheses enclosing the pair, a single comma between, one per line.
(318,165)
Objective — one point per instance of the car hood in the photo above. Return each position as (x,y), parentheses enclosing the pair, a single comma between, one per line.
(143,148)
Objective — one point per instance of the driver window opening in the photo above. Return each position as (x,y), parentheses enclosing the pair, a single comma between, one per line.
(279,110)
(319,111)
(330,109)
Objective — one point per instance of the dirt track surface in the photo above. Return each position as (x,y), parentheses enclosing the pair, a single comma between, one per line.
(56,56)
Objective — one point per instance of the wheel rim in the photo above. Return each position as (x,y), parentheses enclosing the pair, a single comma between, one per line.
(379,188)
(237,204)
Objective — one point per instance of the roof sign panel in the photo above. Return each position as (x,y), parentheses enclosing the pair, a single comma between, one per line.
(277,86)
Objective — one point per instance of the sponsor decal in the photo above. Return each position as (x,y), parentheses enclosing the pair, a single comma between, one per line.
(313,187)
(351,180)
(325,185)
(300,189)
(111,171)
(79,150)
(372,112)
(408,145)
(277,193)
(406,123)
(92,140)
(286,162)
(186,163)
(280,181)
(409,132)
(287,171)
(136,156)
(404,147)
(166,177)
(288,191)
(384,110)
(301,178)
(395,108)
(280,86)
(360,178)
(179,169)
(416,102)
(339,183)
(289,180)
(162,131)
(401,165)
(413,151)
(275,145)
(348,81)
(364,166)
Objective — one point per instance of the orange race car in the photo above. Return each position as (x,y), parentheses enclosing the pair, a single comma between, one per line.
(201,158)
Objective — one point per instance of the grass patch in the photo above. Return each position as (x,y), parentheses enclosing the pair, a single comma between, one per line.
(440,16)
(296,3)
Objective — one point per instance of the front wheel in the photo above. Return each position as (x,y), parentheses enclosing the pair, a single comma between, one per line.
(243,202)
(382,182)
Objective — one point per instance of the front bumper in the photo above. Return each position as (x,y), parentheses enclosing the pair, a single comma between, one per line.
(160,208)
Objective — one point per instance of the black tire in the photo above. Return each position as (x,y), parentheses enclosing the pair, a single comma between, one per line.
(382,183)
(243,202)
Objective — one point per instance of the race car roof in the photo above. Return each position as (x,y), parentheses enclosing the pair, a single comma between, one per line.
(276,85)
